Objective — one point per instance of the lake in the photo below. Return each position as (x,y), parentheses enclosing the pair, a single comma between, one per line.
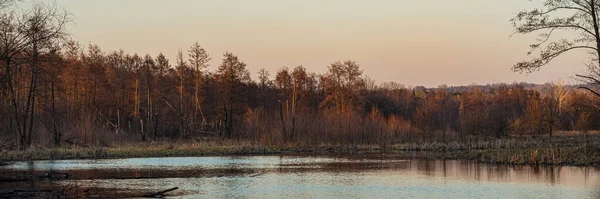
(315,176)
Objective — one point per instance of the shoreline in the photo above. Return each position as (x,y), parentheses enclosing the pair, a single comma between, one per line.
(544,156)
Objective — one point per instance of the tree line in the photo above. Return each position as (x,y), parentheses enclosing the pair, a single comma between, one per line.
(55,92)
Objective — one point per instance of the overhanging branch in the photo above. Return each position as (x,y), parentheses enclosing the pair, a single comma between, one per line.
(590,78)
(566,8)
(590,90)
(556,26)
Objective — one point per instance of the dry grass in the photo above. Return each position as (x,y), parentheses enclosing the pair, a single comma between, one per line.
(154,149)
(565,149)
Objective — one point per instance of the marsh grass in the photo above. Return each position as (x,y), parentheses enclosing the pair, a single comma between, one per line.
(154,149)
(565,149)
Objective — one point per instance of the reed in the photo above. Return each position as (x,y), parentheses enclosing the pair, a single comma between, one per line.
(565,149)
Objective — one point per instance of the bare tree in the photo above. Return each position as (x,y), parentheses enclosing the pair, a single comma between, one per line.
(343,82)
(232,76)
(556,16)
(264,83)
(553,106)
(7,3)
(198,59)
(33,36)
(283,81)
(182,73)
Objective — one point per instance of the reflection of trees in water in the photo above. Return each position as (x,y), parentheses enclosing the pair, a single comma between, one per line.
(553,174)
(587,171)
(468,170)
(498,172)
(504,173)
(549,174)
(425,167)
(445,169)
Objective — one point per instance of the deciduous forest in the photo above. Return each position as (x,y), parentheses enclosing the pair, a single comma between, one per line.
(80,121)
(57,92)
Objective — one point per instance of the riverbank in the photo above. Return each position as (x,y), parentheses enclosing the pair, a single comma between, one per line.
(568,149)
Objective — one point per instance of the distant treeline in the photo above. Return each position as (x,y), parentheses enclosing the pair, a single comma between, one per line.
(53,92)
(94,97)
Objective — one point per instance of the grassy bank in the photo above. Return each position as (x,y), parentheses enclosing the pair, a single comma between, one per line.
(565,149)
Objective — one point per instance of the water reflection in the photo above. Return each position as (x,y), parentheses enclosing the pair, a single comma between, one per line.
(328,176)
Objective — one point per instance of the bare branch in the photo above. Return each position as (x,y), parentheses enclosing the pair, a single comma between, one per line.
(566,8)
(554,27)
(590,90)
(545,58)
(589,78)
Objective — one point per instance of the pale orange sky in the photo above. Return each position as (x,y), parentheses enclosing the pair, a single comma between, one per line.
(414,43)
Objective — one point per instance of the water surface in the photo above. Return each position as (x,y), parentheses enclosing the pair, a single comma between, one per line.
(321,176)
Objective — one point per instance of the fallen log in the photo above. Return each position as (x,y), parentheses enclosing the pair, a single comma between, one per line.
(160,194)
(256,175)
(55,175)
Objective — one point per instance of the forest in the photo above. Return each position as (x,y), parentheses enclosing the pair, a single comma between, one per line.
(56,92)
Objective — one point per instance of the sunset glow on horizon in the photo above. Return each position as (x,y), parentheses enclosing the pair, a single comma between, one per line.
(414,43)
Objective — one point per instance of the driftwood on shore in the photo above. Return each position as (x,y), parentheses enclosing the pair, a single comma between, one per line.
(94,194)
(55,175)
(160,194)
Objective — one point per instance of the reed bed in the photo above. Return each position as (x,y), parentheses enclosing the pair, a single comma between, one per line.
(569,149)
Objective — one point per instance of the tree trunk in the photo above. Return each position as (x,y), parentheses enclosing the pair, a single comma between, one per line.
(181,118)
(30,109)
(224,134)
(282,122)
(230,129)
(57,134)
(294,107)
(136,111)
(148,107)
(596,31)
(156,127)
(20,131)
(118,128)
(142,131)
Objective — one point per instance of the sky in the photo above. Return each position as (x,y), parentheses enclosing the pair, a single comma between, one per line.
(412,42)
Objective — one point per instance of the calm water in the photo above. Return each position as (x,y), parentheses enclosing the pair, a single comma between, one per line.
(331,176)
